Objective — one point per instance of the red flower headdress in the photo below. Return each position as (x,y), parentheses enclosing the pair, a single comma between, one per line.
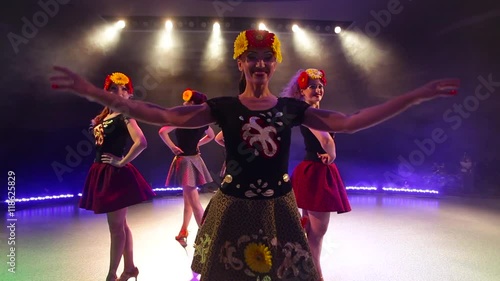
(257,39)
(311,73)
(118,78)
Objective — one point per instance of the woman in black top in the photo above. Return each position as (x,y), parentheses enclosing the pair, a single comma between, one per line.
(188,169)
(316,181)
(113,183)
(252,229)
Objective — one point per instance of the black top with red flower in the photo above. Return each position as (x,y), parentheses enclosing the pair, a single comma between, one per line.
(187,140)
(257,145)
(111,136)
(313,146)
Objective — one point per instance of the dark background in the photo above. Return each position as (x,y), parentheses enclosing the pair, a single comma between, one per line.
(43,139)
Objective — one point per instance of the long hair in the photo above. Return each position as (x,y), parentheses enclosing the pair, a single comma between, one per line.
(243,83)
(98,119)
(292,90)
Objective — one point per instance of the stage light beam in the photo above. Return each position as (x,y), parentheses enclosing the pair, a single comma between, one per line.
(169,25)
(120,24)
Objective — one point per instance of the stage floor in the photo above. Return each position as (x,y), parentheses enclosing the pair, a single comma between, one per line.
(396,238)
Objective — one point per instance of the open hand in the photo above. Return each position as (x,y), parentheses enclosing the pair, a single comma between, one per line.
(66,79)
(442,87)
(112,160)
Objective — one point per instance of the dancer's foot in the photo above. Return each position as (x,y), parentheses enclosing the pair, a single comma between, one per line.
(182,238)
(126,275)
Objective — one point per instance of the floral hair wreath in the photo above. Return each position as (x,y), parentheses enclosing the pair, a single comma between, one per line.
(118,78)
(257,39)
(310,73)
(194,96)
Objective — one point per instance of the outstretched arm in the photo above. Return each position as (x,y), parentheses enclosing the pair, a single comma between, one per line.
(324,120)
(194,116)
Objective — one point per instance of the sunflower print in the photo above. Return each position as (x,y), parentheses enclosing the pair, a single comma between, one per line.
(258,257)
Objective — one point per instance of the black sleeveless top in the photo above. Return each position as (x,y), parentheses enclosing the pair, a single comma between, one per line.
(257,146)
(187,140)
(111,137)
(313,146)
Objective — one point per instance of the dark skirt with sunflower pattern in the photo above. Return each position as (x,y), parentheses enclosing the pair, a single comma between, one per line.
(258,240)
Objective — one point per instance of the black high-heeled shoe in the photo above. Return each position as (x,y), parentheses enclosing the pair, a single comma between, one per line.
(126,275)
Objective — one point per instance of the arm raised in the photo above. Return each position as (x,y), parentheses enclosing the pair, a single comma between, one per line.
(324,120)
(194,116)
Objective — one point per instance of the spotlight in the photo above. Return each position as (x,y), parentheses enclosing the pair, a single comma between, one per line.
(216,27)
(295,28)
(338,29)
(262,26)
(327,28)
(120,24)
(191,24)
(169,25)
(179,24)
(227,24)
(204,24)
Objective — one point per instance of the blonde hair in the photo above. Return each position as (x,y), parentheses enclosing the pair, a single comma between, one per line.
(292,89)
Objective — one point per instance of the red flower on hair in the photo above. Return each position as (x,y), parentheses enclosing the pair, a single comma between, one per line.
(323,77)
(260,38)
(303,80)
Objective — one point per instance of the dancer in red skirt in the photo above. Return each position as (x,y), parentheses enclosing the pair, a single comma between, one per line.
(188,169)
(113,183)
(316,181)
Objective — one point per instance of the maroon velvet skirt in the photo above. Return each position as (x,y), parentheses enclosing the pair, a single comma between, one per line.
(319,188)
(109,188)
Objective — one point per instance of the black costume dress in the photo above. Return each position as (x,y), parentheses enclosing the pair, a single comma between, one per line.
(251,228)
(188,168)
(109,188)
(318,187)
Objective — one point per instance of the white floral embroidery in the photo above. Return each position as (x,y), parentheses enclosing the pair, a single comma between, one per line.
(257,190)
(262,136)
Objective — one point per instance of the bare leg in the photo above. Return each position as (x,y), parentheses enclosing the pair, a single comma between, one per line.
(188,210)
(191,195)
(116,223)
(318,225)
(128,253)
